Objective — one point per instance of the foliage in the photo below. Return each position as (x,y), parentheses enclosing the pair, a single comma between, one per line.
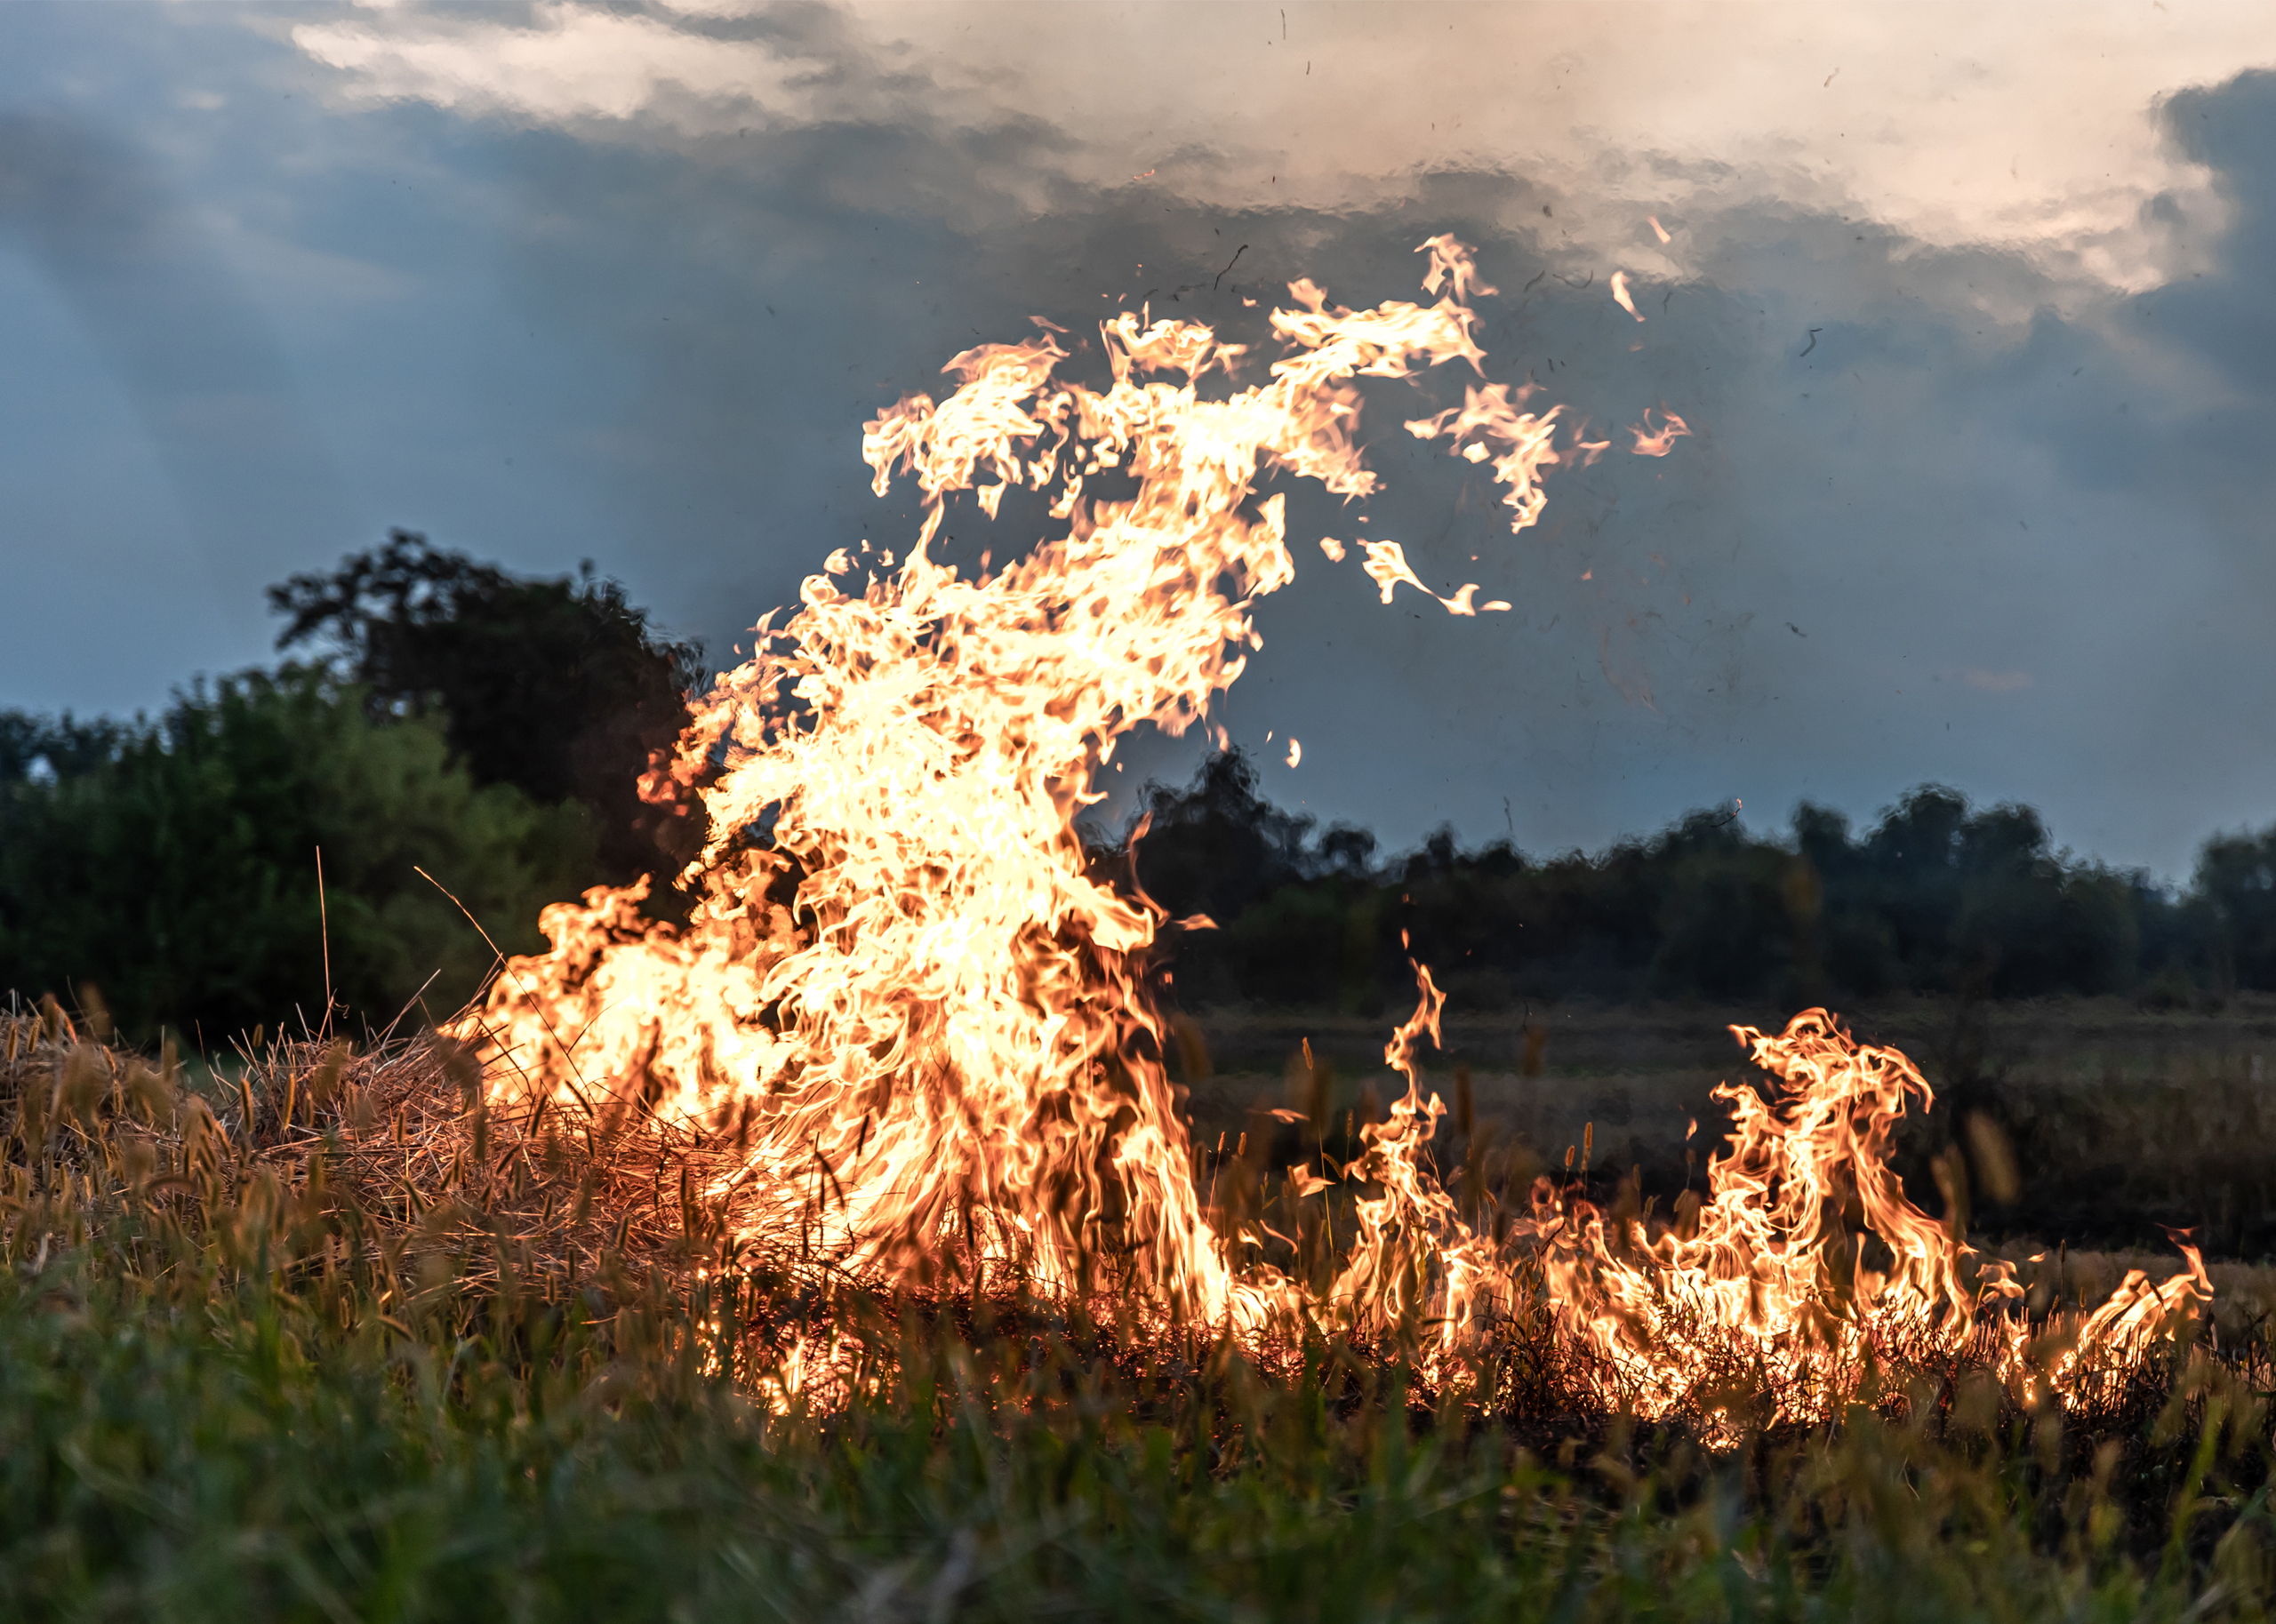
(30,744)
(173,865)
(558,687)
(1938,897)
(2236,881)
(1219,846)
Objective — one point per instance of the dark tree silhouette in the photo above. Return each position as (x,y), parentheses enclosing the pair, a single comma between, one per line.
(2236,879)
(68,747)
(558,687)
(1217,845)
(1938,897)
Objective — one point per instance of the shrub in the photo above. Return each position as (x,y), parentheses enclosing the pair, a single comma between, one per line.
(558,687)
(176,869)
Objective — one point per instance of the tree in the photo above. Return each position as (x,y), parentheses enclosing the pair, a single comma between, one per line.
(1728,921)
(177,876)
(1217,848)
(2236,885)
(30,744)
(558,687)
(1217,845)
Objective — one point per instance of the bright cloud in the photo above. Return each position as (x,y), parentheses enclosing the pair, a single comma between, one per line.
(2024,126)
(568,63)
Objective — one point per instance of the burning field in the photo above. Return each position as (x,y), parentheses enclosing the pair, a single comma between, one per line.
(909,1039)
(875,1171)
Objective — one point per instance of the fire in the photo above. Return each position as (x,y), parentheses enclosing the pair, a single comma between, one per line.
(1659,443)
(912,1026)
(1806,1261)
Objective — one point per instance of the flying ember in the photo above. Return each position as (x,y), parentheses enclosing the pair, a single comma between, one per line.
(913,1027)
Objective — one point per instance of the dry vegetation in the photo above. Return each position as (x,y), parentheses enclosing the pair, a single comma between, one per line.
(322,1338)
(2122,1122)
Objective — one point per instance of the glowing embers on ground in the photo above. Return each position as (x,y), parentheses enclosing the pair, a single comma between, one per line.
(908,1025)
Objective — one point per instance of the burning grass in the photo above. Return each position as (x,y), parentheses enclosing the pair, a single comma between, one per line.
(909,1032)
(333,1341)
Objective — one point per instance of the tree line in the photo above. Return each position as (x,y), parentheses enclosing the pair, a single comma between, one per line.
(446,747)
(1936,897)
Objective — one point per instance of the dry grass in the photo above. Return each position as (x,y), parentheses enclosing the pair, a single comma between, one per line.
(334,1258)
(391,1156)
(388,1167)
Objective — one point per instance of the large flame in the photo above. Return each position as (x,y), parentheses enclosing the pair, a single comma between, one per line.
(922,1022)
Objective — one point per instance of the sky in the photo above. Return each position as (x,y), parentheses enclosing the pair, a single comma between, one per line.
(1972,310)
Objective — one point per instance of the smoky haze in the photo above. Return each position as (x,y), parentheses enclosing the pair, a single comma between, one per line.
(1974,493)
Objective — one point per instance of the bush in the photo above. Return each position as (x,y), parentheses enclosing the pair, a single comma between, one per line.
(560,688)
(174,868)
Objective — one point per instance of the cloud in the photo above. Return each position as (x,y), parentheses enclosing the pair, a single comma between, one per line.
(195,356)
(562,62)
(2224,313)
(1963,331)
(1948,126)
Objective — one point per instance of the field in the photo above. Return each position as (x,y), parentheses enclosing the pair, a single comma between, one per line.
(301,1345)
(2121,1121)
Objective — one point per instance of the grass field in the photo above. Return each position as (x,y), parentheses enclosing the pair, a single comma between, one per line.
(247,1372)
(2122,1121)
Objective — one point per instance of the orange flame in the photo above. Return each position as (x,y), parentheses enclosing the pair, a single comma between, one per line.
(922,1023)
(901,988)
(1489,418)
(1649,444)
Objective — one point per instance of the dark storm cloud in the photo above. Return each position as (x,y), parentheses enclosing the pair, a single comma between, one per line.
(2227,317)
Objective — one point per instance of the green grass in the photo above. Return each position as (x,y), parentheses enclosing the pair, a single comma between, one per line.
(232,1388)
(231,1450)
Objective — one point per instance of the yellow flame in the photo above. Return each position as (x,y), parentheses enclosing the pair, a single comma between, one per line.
(1649,444)
(920,1025)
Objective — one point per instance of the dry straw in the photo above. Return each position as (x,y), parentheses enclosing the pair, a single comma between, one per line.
(390,1169)
(389,1160)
